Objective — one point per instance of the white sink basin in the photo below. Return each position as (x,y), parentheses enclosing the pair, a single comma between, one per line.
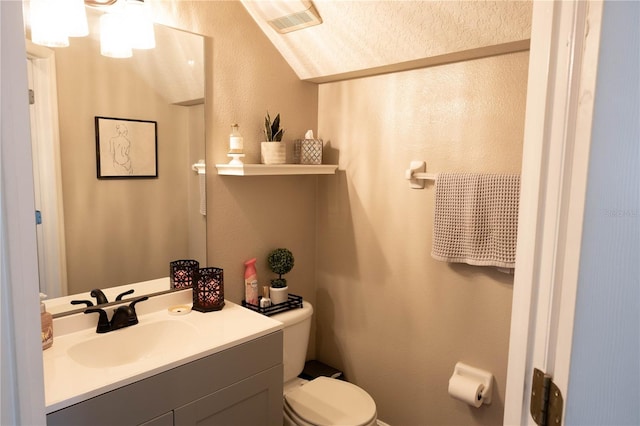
(82,364)
(134,343)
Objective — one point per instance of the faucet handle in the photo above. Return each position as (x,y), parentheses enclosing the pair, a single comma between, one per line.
(104,325)
(121,295)
(132,305)
(89,303)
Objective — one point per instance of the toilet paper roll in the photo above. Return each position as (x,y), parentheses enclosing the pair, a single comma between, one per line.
(466,390)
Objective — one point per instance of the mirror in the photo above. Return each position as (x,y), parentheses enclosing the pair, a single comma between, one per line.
(123,231)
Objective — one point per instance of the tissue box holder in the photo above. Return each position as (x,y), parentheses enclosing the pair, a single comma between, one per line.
(307,151)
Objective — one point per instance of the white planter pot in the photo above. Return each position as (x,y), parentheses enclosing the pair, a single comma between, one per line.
(279,295)
(273,153)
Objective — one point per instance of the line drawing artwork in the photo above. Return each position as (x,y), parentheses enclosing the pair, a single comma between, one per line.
(120,147)
(126,148)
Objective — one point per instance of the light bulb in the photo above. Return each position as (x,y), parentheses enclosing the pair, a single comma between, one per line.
(114,39)
(76,18)
(47,25)
(140,25)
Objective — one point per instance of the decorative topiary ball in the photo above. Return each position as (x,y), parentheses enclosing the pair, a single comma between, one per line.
(280,261)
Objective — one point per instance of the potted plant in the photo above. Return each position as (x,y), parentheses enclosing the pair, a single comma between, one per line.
(280,262)
(272,150)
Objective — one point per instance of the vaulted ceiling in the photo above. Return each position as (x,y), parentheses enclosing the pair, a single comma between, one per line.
(360,35)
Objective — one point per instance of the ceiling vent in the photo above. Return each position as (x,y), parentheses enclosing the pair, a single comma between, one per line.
(286,15)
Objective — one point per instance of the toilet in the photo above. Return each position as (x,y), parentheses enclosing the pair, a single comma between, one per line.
(323,401)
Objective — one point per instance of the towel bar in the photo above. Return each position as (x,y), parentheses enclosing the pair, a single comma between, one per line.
(199,167)
(416,175)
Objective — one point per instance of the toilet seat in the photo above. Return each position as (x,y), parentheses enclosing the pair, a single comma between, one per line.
(325,402)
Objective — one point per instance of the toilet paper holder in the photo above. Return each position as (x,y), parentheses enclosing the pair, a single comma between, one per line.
(477,375)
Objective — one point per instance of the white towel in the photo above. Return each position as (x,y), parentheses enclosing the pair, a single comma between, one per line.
(202,178)
(476,219)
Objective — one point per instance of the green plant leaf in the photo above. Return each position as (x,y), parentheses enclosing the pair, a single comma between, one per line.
(272,131)
(275,127)
(267,128)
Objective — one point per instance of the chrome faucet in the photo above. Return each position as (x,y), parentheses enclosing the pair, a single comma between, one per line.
(123,316)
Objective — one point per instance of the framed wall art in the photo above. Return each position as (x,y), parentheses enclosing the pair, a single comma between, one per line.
(126,148)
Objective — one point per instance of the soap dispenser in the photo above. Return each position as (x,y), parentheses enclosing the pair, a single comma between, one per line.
(46,323)
(236,141)
(236,146)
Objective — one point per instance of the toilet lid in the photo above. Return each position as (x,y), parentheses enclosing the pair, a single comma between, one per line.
(325,401)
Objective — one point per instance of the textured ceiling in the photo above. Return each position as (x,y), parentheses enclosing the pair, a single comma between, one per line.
(359,35)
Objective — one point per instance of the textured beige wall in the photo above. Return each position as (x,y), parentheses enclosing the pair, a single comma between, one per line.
(249,216)
(392,317)
(111,226)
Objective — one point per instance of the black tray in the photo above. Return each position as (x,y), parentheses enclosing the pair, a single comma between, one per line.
(294,302)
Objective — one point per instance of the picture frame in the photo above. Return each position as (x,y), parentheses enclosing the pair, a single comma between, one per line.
(126,148)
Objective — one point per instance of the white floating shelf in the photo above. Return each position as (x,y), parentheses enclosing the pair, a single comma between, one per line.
(275,169)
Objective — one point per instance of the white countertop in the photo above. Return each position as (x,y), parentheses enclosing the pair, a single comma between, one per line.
(68,382)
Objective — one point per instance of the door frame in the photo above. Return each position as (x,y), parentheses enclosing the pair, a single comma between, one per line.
(48,171)
(565,40)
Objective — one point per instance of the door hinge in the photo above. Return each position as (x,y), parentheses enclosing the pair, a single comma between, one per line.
(32,97)
(546,400)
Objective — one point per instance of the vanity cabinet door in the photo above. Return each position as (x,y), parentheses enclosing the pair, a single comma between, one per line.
(255,401)
(164,420)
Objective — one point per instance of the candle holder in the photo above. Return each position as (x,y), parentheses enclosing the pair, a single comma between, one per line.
(182,273)
(208,290)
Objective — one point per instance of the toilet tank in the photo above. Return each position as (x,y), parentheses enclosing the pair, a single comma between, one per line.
(297,325)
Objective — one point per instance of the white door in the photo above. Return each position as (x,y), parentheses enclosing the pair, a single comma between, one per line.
(565,42)
(40,235)
(47,171)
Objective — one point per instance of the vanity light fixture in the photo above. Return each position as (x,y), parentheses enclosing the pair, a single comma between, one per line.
(140,25)
(53,22)
(114,41)
(125,24)
(97,3)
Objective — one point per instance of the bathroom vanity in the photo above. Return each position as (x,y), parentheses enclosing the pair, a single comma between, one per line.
(221,367)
